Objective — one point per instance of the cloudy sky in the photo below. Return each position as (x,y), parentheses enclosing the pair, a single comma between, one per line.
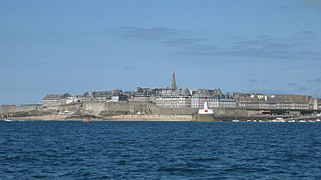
(74,46)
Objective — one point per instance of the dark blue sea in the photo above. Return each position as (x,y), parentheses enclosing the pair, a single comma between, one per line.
(159,150)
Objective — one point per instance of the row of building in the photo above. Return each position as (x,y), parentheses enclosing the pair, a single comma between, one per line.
(174,97)
(184,98)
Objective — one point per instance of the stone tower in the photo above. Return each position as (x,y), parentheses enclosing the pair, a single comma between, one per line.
(174,87)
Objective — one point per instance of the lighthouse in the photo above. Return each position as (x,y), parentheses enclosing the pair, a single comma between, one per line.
(205,109)
(205,114)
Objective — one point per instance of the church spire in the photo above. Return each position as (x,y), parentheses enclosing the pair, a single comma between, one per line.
(174,87)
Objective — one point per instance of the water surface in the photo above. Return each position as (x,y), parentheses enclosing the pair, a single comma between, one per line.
(159,150)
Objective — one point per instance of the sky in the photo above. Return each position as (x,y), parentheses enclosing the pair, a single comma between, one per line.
(53,47)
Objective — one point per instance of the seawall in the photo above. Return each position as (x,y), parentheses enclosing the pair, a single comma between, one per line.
(106,109)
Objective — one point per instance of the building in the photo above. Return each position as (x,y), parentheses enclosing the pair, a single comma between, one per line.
(140,98)
(169,98)
(198,98)
(270,101)
(118,98)
(216,98)
(104,96)
(145,95)
(314,103)
(52,100)
(173,97)
(86,97)
(222,101)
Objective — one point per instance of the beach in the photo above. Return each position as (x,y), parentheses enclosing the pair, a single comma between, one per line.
(182,118)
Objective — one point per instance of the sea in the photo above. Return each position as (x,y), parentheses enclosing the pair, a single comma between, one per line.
(159,150)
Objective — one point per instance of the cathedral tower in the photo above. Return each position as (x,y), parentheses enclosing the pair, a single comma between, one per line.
(174,87)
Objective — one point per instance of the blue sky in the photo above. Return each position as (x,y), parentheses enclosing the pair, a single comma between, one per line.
(75,46)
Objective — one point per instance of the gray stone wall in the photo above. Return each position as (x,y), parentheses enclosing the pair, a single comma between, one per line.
(111,108)
(130,107)
(8,108)
(5,109)
(149,108)
(125,107)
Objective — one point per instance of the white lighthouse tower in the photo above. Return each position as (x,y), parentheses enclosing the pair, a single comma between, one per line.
(205,114)
(205,109)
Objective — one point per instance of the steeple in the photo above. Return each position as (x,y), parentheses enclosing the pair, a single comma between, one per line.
(174,87)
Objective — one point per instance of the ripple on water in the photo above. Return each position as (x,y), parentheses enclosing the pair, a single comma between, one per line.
(147,150)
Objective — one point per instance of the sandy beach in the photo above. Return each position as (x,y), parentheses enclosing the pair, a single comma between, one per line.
(151,118)
(184,118)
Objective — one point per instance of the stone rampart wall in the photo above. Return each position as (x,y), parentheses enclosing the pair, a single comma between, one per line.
(62,108)
(148,108)
(5,109)
(130,107)
(126,107)
(230,112)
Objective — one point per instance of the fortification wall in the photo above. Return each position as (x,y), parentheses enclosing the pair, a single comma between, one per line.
(230,112)
(26,108)
(5,109)
(177,111)
(62,108)
(118,107)
(142,108)
(148,108)
(132,108)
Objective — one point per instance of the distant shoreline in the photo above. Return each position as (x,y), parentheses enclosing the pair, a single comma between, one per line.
(182,118)
(163,118)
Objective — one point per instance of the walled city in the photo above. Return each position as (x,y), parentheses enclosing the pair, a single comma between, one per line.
(168,101)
